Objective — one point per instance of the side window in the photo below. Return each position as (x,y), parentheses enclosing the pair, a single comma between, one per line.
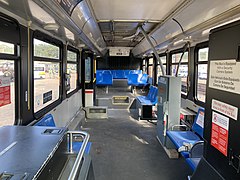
(144,66)
(202,74)
(46,74)
(7,83)
(72,69)
(150,67)
(159,71)
(88,70)
(183,69)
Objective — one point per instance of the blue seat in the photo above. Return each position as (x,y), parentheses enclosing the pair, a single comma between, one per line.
(191,137)
(133,79)
(119,74)
(151,98)
(104,78)
(193,162)
(46,121)
(143,80)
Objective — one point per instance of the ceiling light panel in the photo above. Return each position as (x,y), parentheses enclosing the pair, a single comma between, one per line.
(38,13)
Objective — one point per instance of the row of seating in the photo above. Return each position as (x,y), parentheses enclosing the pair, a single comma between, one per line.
(151,98)
(120,74)
(190,143)
(48,121)
(135,77)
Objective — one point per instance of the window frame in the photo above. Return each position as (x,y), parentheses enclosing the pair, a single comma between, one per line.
(144,65)
(70,48)
(182,63)
(48,39)
(196,63)
(150,65)
(11,34)
(16,61)
(158,64)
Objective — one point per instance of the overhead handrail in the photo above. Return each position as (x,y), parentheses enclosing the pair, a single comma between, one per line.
(77,163)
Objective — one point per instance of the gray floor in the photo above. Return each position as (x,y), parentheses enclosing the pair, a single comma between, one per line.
(126,149)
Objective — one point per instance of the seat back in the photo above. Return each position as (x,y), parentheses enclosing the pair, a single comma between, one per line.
(99,77)
(150,92)
(198,125)
(144,78)
(46,121)
(133,79)
(119,74)
(107,72)
(107,79)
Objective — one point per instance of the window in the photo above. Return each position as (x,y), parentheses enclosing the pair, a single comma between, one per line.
(46,74)
(88,69)
(144,66)
(150,67)
(183,69)
(72,69)
(7,84)
(202,74)
(159,70)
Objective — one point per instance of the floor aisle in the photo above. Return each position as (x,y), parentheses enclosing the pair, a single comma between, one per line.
(126,149)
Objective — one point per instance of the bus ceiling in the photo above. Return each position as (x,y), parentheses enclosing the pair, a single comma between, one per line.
(98,25)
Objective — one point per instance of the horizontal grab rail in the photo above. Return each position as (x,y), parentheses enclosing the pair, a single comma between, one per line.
(77,163)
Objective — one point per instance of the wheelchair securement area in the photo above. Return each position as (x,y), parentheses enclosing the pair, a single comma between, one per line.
(190,142)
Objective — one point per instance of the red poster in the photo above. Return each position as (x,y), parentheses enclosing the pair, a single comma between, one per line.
(219,137)
(5,93)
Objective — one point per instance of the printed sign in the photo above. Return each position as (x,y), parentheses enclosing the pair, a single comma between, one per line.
(225,109)
(5,90)
(224,75)
(47,97)
(219,136)
(200,119)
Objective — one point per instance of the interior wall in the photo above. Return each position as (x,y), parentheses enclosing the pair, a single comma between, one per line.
(64,113)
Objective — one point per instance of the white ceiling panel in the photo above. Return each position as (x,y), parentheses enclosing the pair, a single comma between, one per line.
(133,9)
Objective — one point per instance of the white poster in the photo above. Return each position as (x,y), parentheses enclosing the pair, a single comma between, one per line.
(225,108)
(200,119)
(225,75)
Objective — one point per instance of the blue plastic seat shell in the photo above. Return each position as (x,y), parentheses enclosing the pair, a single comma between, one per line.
(193,162)
(179,137)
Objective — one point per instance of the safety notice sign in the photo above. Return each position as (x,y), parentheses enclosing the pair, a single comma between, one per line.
(219,136)
(5,92)
(226,109)
(224,75)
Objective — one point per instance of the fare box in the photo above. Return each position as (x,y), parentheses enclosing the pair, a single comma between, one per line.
(219,136)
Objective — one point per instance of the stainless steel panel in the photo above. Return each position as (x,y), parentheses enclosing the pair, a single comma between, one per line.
(27,149)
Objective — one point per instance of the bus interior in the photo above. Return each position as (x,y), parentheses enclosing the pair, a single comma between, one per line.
(119,90)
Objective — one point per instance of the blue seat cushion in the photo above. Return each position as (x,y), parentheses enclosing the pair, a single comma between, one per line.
(179,137)
(145,102)
(193,162)
(46,121)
